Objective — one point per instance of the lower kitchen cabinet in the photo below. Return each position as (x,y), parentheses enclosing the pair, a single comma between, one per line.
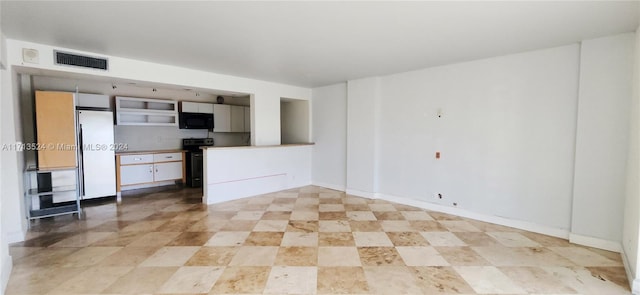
(136,174)
(167,171)
(139,170)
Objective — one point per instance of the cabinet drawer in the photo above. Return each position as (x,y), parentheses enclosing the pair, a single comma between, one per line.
(167,157)
(136,159)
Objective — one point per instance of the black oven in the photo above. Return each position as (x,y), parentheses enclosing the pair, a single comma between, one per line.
(194,159)
(196,121)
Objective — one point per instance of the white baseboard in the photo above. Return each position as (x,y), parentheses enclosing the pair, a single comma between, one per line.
(336,187)
(635,287)
(7,266)
(357,193)
(595,242)
(299,184)
(233,190)
(519,224)
(15,236)
(634,284)
(147,185)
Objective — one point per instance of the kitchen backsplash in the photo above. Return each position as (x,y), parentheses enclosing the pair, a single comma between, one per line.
(142,138)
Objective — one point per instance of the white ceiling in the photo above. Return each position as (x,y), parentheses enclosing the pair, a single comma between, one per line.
(312,43)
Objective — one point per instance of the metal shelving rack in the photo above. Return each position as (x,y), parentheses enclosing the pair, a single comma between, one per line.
(32,191)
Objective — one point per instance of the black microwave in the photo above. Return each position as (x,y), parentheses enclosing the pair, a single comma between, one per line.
(196,121)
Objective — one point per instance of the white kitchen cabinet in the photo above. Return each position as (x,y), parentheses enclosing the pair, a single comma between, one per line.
(136,174)
(206,108)
(231,118)
(196,107)
(93,101)
(237,119)
(167,171)
(247,119)
(221,118)
(188,107)
(148,169)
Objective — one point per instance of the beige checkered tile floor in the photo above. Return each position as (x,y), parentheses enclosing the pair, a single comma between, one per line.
(304,241)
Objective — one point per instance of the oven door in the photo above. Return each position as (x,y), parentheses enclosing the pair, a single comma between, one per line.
(194,169)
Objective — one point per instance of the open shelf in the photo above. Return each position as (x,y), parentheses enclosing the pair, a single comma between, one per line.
(35,197)
(146,111)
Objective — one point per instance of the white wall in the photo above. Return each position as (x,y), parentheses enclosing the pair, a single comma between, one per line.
(12,224)
(5,260)
(13,221)
(506,135)
(606,70)
(631,229)
(294,121)
(330,136)
(363,97)
(238,172)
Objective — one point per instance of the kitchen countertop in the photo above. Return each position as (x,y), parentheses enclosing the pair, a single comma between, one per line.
(255,147)
(148,152)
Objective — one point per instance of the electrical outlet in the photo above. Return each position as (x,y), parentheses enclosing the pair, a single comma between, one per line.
(437,195)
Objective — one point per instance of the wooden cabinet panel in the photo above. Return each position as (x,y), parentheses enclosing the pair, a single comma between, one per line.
(56,129)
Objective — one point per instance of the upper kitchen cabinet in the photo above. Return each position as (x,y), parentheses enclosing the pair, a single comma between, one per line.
(221,118)
(146,111)
(94,101)
(196,107)
(237,119)
(247,119)
(56,129)
(231,118)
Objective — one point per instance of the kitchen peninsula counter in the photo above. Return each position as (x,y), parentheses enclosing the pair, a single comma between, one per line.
(232,173)
(255,146)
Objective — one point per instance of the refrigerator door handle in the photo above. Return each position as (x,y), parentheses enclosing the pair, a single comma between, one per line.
(80,163)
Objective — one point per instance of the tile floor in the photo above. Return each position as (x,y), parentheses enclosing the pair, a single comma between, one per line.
(303,241)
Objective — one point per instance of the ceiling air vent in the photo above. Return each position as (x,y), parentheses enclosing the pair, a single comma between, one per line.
(69,59)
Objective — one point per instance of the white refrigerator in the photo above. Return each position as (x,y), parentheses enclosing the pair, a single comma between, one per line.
(96,153)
